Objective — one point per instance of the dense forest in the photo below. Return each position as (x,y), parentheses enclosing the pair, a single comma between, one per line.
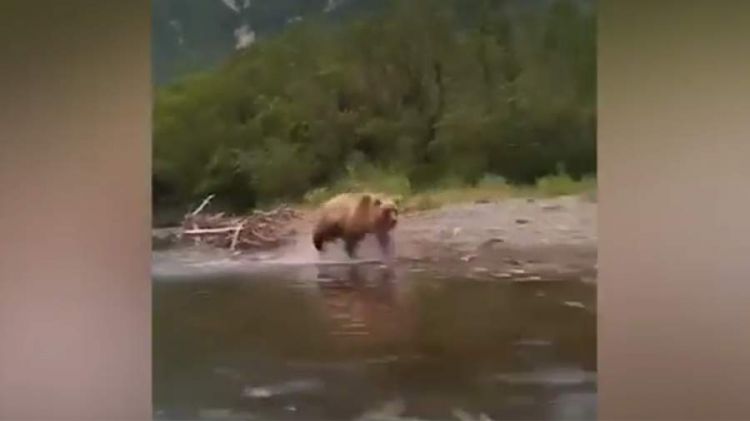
(423,92)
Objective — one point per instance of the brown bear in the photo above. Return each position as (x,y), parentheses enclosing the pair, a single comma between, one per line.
(351,216)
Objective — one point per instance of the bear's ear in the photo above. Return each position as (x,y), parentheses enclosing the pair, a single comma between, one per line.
(365,200)
(377,202)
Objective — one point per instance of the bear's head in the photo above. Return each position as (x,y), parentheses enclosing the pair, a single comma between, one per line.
(386,213)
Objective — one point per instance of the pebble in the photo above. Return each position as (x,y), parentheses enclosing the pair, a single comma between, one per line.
(490,242)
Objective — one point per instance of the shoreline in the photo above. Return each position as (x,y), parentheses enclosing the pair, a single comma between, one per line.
(515,239)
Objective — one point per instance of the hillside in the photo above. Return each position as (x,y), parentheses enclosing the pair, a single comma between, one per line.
(198,34)
(410,96)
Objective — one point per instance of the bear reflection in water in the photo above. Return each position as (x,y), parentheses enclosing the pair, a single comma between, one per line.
(362,303)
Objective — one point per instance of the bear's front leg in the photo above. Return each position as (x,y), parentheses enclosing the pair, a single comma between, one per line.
(385,240)
(318,241)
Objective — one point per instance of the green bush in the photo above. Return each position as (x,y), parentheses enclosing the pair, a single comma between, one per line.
(563,184)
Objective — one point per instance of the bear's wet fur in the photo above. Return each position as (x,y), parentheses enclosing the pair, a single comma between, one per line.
(352,216)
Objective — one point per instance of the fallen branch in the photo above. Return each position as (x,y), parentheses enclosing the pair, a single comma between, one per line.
(236,235)
(261,237)
(252,243)
(202,205)
(206,231)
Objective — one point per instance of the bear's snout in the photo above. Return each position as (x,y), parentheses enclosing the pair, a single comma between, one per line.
(390,217)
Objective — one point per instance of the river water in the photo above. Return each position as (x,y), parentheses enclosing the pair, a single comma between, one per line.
(362,342)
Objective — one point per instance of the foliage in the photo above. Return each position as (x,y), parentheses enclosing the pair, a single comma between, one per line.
(421,95)
(563,184)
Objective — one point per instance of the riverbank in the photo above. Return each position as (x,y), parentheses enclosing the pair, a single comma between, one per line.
(518,239)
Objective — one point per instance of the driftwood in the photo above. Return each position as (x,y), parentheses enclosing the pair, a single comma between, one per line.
(202,205)
(208,231)
(260,229)
(236,235)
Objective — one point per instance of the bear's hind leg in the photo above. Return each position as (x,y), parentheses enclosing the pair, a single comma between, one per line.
(350,245)
(323,234)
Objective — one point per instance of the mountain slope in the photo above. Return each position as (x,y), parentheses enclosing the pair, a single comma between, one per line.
(192,35)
